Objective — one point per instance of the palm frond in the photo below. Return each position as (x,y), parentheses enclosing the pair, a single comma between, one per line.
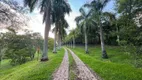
(109,15)
(87,5)
(82,11)
(78,19)
(53,30)
(104,3)
(81,27)
(45,5)
(31,4)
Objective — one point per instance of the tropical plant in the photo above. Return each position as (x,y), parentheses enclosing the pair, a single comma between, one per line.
(84,22)
(96,10)
(130,31)
(59,10)
(51,9)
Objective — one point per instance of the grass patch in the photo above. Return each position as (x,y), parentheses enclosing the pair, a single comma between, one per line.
(117,67)
(72,68)
(32,70)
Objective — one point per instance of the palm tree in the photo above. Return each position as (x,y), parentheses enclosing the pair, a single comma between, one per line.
(82,22)
(111,19)
(96,9)
(50,10)
(62,32)
(73,34)
(73,37)
(59,30)
(59,10)
(55,38)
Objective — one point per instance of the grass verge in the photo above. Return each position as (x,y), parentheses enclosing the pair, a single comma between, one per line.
(117,67)
(32,70)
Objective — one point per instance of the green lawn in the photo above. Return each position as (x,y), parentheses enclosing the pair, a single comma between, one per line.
(117,67)
(32,70)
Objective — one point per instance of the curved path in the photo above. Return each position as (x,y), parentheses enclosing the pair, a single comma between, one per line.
(84,72)
(63,71)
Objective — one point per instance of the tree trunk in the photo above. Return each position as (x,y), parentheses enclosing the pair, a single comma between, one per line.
(86,42)
(60,42)
(0,60)
(104,54)
(55,39)
(46,33)
(73,42)
(118,38)
(70,45)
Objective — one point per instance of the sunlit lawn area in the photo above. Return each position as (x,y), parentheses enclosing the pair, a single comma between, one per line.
(118,67)
(32,70)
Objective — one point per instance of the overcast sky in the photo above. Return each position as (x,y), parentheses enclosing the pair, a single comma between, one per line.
(36,22)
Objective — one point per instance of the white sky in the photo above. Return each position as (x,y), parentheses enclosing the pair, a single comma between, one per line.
(37,26)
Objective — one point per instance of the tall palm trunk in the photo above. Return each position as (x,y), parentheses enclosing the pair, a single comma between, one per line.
(104,54)
(68,44)
(118,38)
(46,33)
(73,42)
(60,41)
(55,39)
(86,41)
(0,60)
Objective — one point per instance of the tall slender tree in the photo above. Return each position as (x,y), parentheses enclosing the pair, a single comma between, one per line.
(58,14)
(82,22)
(96,9)
(55,39)
(51,9)
(62,32)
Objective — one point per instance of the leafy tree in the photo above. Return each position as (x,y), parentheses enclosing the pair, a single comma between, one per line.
(58,13)
(48,8)
(1,47)
(60,32)
(45,8)
(19,48)
(73,34)
(110,29)
(96,10)
(130,31)
(83,22)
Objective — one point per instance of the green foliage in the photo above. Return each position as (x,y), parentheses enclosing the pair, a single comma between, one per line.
(19,48)
(121,28)
(50,43)
(130,33)
(129,7)
(32,70)
(117,67)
